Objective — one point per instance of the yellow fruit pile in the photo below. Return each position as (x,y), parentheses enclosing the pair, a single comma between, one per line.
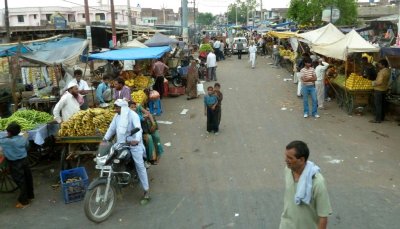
(130,82)
(89,122)
(141,82)
(356,82)
(139,97)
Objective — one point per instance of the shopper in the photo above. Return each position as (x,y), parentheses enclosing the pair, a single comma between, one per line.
(306,200)
(159,70)
(308,79)
(222,49)
(210,104)
(381,85)
(192,80)
(320,83)
(220,97)
(211,66)
(368,70)
(239,47)
(14,149)
(252,52)
(276,56)
(217,46)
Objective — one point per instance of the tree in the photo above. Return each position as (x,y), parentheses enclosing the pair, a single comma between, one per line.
(310,11)
(205,19)
(244,9)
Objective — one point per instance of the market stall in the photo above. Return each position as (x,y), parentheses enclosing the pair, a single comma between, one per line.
(288,45)
(352,91)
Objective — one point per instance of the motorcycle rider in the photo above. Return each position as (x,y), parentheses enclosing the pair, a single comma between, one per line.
(122,124)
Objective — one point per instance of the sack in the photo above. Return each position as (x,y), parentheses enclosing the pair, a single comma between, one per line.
(200,89)
(154,95)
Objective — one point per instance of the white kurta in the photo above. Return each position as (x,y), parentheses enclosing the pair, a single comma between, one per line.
(253,51)
(67,106)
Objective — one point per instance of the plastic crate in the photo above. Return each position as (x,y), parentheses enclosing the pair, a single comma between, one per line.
(74,191)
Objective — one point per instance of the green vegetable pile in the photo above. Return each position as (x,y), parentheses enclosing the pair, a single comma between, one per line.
(27,119)
(206,48)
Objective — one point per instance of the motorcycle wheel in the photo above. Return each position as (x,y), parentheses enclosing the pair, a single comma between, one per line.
(96,209)
(177,81)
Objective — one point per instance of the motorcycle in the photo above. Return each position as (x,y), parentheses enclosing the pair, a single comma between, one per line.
(227,52)
(117,170)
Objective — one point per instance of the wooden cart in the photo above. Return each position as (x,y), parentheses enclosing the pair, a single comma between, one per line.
(351,99)
(73,148)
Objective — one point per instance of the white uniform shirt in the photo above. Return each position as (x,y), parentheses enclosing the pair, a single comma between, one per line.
(128,65)
(320,71)
(82,85)
(252,49)
(211,60)
(68,106)
(217,44)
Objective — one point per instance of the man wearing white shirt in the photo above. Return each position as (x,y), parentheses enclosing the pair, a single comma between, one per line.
(211,66)
(252,51)
(217,46)
(319,84)
(83,87)
(68,104)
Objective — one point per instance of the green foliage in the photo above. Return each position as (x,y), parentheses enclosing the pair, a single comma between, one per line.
(206,48)
(307,12)
(243,7)
(205,19)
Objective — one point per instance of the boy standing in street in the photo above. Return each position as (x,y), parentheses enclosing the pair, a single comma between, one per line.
(210,104)
(220,97)
(14,149)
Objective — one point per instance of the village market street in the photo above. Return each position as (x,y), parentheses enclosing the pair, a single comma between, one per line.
(235,179)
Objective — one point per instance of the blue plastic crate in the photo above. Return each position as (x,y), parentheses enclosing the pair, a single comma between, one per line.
(74,191)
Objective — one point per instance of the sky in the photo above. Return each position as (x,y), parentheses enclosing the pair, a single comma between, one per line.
(213,6)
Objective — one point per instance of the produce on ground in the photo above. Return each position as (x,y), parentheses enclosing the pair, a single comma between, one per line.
(139,97)
(27,119)
(356,82)
(91,122)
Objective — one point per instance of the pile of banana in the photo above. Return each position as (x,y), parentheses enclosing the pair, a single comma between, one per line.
(142,82)
(91,122)
(139,97)
(356,82)
(130,82)
(288,53)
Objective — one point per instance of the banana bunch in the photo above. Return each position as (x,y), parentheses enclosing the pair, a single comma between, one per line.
(139,97)
(356,82)
(285,52)
(89,122)
(142,82)
(130,82)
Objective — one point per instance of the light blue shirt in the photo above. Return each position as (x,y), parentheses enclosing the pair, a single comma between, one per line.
(100,90)
(133,121)
(14,148)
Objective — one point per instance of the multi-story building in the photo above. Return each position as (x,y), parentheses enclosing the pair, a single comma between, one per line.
(163,16)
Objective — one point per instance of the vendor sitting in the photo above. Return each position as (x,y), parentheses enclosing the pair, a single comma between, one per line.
(103,91)
(121,91)
(68,104)
(14,149)
(151,136)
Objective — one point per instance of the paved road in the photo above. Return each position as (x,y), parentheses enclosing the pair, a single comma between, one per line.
(235,180)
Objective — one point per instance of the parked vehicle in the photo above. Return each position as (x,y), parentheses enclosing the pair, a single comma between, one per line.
(243,40)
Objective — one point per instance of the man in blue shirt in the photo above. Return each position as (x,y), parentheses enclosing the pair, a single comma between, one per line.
(210,104)
(14,149)
(103,91)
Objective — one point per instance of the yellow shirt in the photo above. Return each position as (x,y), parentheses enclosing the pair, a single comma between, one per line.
(382,80)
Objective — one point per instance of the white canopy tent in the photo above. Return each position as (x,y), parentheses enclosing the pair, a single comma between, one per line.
(322,36)
(350,43)
(134,44)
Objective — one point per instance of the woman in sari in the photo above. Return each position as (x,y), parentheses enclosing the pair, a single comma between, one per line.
(192,80)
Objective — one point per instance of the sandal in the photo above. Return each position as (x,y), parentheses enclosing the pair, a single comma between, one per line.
(21,206)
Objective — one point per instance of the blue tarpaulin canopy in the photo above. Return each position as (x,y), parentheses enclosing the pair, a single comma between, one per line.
(9,50)
(65,50)
(132,54)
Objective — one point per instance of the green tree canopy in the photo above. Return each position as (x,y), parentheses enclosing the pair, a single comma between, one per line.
(205,19)
(243,7)
(310,11)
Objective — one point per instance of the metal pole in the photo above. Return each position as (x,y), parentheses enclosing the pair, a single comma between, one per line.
(330,20)
(114,33)
(7,22)
(88,32)
(398,28)
(261,10)
(129,20)
(236,13)
(185,20)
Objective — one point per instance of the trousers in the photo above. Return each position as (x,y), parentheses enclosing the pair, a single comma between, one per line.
(137,156)
(379,102)
(320,86)
(212,73)
(22,176)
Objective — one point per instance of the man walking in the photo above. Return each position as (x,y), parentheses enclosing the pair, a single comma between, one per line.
(306,199)
(239,48)
(252,52)
(222,49)
(217,46)
(381,85)
(308,79)
(211,66)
